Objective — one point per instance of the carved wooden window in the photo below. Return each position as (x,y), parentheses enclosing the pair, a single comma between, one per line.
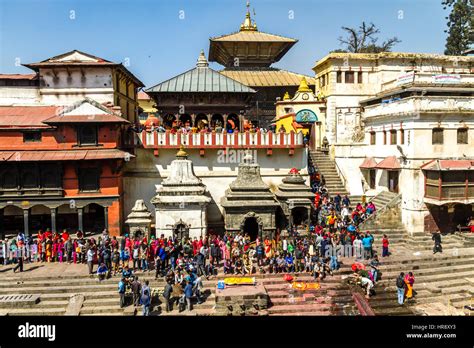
(89,179)
(87,135)
(438,136)
(349,77)
(462,134)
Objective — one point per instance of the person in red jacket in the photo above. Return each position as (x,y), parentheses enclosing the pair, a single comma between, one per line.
(385,243)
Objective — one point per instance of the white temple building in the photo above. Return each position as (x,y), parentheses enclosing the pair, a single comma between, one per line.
(181,201)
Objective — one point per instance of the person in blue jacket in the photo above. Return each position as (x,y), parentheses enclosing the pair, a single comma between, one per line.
(188,293)
(290,263)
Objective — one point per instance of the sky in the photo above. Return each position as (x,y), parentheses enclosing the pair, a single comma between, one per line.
(162,38)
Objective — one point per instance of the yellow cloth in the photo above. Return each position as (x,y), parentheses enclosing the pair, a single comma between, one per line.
(239,281)
(305,286)
(409,293)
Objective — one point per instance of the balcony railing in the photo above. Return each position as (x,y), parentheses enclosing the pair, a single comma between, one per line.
(416,105)
(243,140)
(432,79)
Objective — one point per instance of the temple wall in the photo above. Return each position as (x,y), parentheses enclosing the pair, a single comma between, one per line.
(146,171)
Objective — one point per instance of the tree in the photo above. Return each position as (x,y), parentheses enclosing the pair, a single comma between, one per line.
(459,22)
(364,40)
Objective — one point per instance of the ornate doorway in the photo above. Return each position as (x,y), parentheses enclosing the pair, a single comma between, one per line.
(252,224)
(181,230)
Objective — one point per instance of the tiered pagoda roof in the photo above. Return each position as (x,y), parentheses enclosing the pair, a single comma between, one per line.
(249,46)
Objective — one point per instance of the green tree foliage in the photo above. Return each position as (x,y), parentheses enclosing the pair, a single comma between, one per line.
(460,21)
(364,40)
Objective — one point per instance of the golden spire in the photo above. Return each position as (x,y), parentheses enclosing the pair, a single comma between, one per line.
(286,96)
(202,61)
(304,86)
(181,153)
(247,25)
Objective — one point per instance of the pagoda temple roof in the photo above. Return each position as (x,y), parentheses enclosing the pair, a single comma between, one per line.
(266,77)
(249,45)
(254,36)
(201,79)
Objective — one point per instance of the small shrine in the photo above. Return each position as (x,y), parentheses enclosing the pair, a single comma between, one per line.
(139,220)
(249,204)
(181,201)
(295,198)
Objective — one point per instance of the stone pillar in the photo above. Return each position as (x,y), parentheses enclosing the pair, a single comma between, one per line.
(2,231)
(79,220)
(290,216)
(53,220)
(106,218)
(26,213)
(309,217)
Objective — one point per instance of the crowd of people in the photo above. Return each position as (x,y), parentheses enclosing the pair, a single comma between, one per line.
(315,249)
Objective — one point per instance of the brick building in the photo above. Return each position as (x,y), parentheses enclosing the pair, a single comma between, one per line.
(64,138)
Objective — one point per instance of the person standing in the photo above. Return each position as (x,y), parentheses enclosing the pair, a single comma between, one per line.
(146,299)
(409,281)
(167,295)
(136,290)
(19,257)
(385,244)
(401,286)
(121,290)
(188,293)
(90,259)
(436,237)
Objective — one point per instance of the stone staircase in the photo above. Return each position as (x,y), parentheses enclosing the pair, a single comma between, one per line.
(444,282)
(101,298)
(327,167)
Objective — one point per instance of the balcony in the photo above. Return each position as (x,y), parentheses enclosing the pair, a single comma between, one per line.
(202,141)
(429,79)
(416,105)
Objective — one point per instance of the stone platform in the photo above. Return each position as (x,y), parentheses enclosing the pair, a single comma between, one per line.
(242,300)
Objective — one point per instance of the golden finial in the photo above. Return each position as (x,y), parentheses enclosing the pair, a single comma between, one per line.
(304,86)
(286,96)
(181,153)
(248,25)
(202,61)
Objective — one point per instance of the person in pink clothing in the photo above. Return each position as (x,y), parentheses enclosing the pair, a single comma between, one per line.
(222,247)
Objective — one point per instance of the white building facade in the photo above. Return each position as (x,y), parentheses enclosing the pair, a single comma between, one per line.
(418,109)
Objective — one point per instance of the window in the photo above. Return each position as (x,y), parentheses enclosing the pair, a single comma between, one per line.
(385,137)
(349,77)
(462,135)
(9,180)
(393,137)
(402,137)
(89,179)
(87,135)
(323,80)
(339,77)
(30,137)
(437,136)
(359,77)
(372,138)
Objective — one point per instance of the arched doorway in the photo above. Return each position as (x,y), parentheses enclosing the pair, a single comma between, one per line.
(40,218)
(12,219)
(299,215)
(233,123)
(217,121)
(67,219)
(181,230)
(186,120)
(251,227)
(93,218)
(201,121)
(168,120)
